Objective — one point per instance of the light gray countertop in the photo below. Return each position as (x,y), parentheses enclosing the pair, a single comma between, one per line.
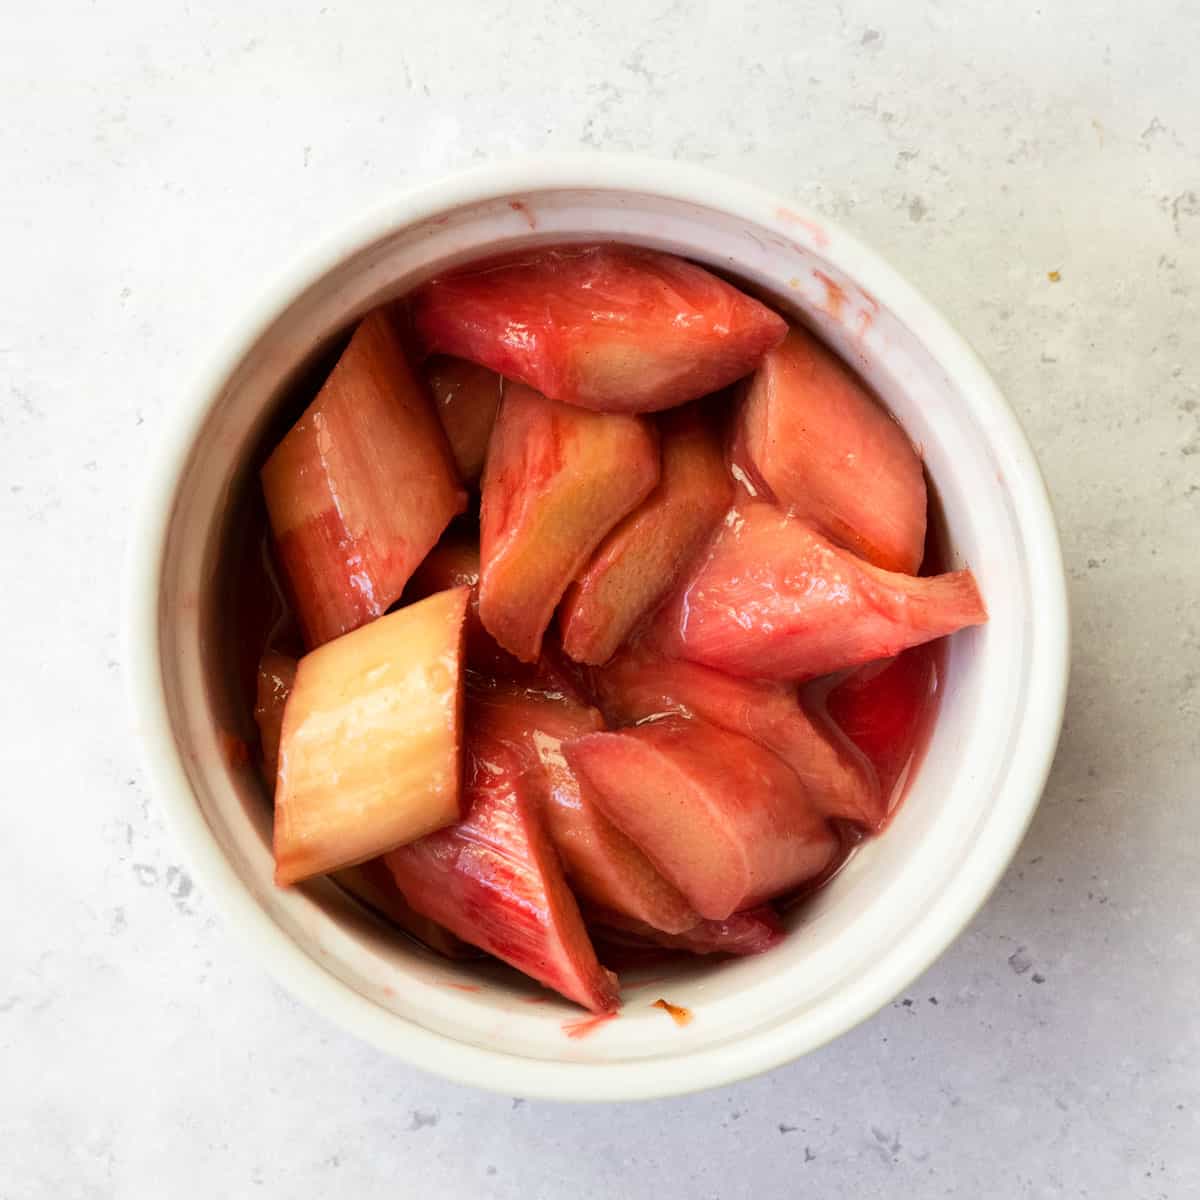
(159,163)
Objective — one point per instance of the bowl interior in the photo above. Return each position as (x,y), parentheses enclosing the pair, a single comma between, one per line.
(827,972)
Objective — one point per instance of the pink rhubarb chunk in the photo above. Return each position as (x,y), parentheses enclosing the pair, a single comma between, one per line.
(603,865)
(557,480)
(634,686)
(882,707)
(360,488)
(370,882)
(775,599)
(639,562)
(495,881)
(824,447)
(613,328)
(371,743)
(723,819)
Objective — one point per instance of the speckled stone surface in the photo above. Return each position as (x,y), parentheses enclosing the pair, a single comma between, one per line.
(160,161)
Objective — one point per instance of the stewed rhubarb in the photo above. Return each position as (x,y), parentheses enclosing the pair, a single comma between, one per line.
(775,599)
(495,881)
(557,479)
(612,328)
(829,452)
(635,686)
(637,564)
(724,820)
(369,754)
(881,708)
(622,705)
(602,864)
(370,882)
(361,487)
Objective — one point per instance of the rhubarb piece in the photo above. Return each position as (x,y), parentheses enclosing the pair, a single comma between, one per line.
(557,480)
(369,755)
(742,933)
(602,864)
(882,708)
(635,686)
(495,881)
(606,867)
(613,328)
(454,562)
(372,885)
(639,562)
(775,599)
(276,675)
(466,397)
(360,488)
(723,819)
(827,451)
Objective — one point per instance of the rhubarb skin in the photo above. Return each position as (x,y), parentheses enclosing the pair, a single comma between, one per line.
(828,452)
(605,327)
(360,488)
(881,708)
(642,558)
(276,676)
(495,881)
(744,933)
(603,866)
(774,599)
(557,479)
(723,819)
(369,755)
(372,885)
(466,397)
(637,685)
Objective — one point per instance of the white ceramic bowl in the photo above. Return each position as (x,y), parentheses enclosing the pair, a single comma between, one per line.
(901,899)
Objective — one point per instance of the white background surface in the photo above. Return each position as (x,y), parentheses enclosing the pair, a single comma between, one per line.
(159,161)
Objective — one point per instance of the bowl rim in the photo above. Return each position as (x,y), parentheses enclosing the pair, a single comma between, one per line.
(926,938)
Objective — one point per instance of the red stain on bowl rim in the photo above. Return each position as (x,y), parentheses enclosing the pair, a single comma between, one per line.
(838,300)
(464,987)
(835,295)
(816,232)
(581,1027)
(867,314)
(520,207)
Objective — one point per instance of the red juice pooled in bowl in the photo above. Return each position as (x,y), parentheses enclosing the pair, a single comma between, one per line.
(603,638)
